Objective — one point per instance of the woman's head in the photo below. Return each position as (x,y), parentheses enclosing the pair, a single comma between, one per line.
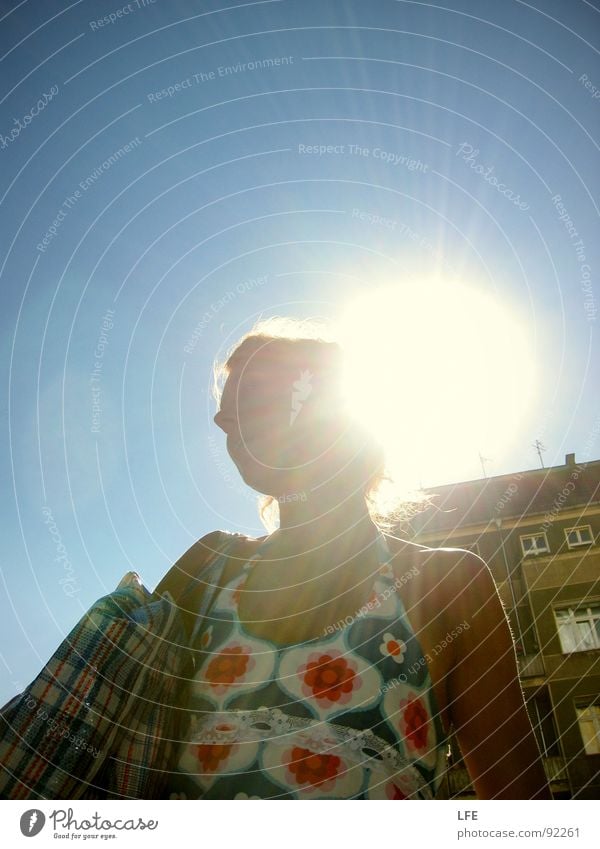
(288,428)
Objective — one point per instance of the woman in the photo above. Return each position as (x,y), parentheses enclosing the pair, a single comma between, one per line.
(319,672)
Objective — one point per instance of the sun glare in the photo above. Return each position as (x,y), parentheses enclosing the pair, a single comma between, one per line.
(440,373)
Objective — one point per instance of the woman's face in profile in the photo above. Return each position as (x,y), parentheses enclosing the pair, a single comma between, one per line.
(255,413)
(277,446)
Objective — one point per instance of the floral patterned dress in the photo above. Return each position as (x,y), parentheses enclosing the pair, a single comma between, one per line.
(350,715)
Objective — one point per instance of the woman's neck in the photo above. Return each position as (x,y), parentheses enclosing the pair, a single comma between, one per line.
(317,523)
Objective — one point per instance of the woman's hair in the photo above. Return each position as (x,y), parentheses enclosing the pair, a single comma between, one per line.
(309,344)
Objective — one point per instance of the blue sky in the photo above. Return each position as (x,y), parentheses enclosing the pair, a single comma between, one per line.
(192,166)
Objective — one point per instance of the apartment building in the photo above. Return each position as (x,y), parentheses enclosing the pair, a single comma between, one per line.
(539,532)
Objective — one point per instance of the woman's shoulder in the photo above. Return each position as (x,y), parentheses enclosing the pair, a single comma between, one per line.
(192,562)
(214,542)
(455,574)
(439,557)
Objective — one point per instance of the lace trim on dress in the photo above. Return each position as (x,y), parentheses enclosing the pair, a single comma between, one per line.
(255,726)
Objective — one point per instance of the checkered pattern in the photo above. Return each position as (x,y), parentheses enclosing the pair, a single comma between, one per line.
(100,721)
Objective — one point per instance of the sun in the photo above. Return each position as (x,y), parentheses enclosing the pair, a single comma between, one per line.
(440,373)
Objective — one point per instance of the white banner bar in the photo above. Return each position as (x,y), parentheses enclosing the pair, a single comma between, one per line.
(307,825)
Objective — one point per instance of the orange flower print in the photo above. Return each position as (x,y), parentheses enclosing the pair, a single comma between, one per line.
(391,647)
(373,599)
(386,570)
(311,768)
(402,787)
(329,678)
(414,722)
(392,791)
(210,755)
(228,665)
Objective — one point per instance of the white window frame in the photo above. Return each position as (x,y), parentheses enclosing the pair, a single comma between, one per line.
(577,529)
(569,631)
(591,741)
(536,550)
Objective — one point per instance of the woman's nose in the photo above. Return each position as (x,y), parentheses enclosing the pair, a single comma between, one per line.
(221,420)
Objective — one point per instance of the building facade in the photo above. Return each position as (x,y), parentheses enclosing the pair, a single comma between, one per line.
(539,532)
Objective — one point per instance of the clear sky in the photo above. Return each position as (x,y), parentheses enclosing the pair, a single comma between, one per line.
(173,170)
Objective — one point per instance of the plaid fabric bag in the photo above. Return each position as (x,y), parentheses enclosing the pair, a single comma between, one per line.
(101,720)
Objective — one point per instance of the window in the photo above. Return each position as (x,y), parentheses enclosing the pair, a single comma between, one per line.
(540,713)
(579,628)
(579,536)
(588,717)
(534,544)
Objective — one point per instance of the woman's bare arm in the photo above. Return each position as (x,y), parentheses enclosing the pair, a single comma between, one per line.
(487,706)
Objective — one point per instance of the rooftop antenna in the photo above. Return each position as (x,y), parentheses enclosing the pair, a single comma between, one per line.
(539,448)
(483,461)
